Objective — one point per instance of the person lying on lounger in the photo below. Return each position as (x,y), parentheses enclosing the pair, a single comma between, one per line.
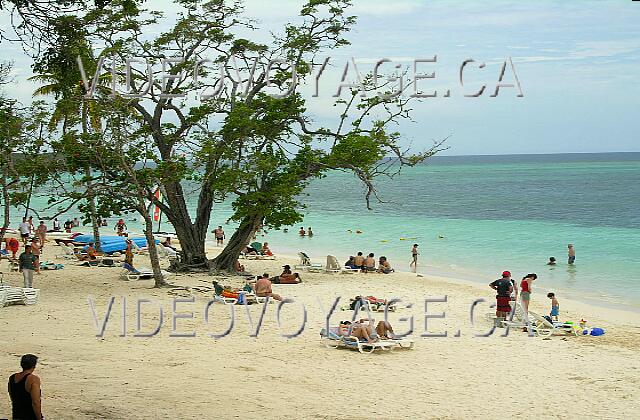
(364,331)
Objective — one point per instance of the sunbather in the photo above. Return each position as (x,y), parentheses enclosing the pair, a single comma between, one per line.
(266,250)
(238,267)
(263,288)
(364,331)
(90,254)
(384,267)
(369,263)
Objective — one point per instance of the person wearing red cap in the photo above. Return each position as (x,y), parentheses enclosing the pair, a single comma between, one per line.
(504,288)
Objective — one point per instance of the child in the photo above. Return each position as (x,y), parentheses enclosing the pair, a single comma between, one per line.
(555,306)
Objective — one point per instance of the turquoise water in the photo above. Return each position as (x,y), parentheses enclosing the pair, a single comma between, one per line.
(493,213)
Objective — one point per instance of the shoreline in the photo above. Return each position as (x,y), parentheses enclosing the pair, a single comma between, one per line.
(592,301)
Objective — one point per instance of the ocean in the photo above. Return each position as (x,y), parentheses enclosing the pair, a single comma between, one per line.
(476,216)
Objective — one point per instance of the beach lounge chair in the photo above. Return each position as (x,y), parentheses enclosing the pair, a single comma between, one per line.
(306,264)
(334,267)
(333,340)
(544,328)
(67,252)
(164,252)
(136,249)
(3,297)
(132,274)
(19,295)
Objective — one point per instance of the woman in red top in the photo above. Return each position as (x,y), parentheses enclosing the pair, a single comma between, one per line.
(525,290)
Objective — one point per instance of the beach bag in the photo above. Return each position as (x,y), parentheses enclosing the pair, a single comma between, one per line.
(593,331)
(108,262)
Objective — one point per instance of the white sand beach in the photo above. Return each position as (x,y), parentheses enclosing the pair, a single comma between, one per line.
(114,377)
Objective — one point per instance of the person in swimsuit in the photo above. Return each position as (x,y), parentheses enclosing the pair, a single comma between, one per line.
(120,227)
(525,291)
(359,261)
(571,253)
(219,234)
(369,263)
(24,391)
(414,256)
(555,306)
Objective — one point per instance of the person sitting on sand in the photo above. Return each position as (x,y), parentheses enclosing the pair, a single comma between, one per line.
(552,261)
(266,250)
(369,263)
(351,263)
(90,254)
(263,288)
(238,267)
(384,267)
(359,261)
(287,277)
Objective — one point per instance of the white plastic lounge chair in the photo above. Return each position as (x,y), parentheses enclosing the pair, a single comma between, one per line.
(334,267)
(305,264)
(19,295)
(543,328)
(225,300)
(164,252)
(67,252)
(3,297)
(333,340)
(137,249)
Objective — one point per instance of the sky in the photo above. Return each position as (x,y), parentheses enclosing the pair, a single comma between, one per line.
(578,64)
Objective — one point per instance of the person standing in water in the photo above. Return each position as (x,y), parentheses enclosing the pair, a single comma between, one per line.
(571,253)
(414,256)
(24,391)
(219,234)
(309,232)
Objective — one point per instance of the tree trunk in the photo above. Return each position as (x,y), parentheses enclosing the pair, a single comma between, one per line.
(151,246)
(226,260)
(6,201)
(92,210)
(191,236)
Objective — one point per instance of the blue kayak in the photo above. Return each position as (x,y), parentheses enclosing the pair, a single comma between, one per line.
(111,244)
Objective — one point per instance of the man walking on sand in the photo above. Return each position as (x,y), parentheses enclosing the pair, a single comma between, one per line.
(572,254)
(26,264)
(24,391)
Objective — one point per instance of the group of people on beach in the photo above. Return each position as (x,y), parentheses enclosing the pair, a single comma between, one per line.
(368,264)
(507,291)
